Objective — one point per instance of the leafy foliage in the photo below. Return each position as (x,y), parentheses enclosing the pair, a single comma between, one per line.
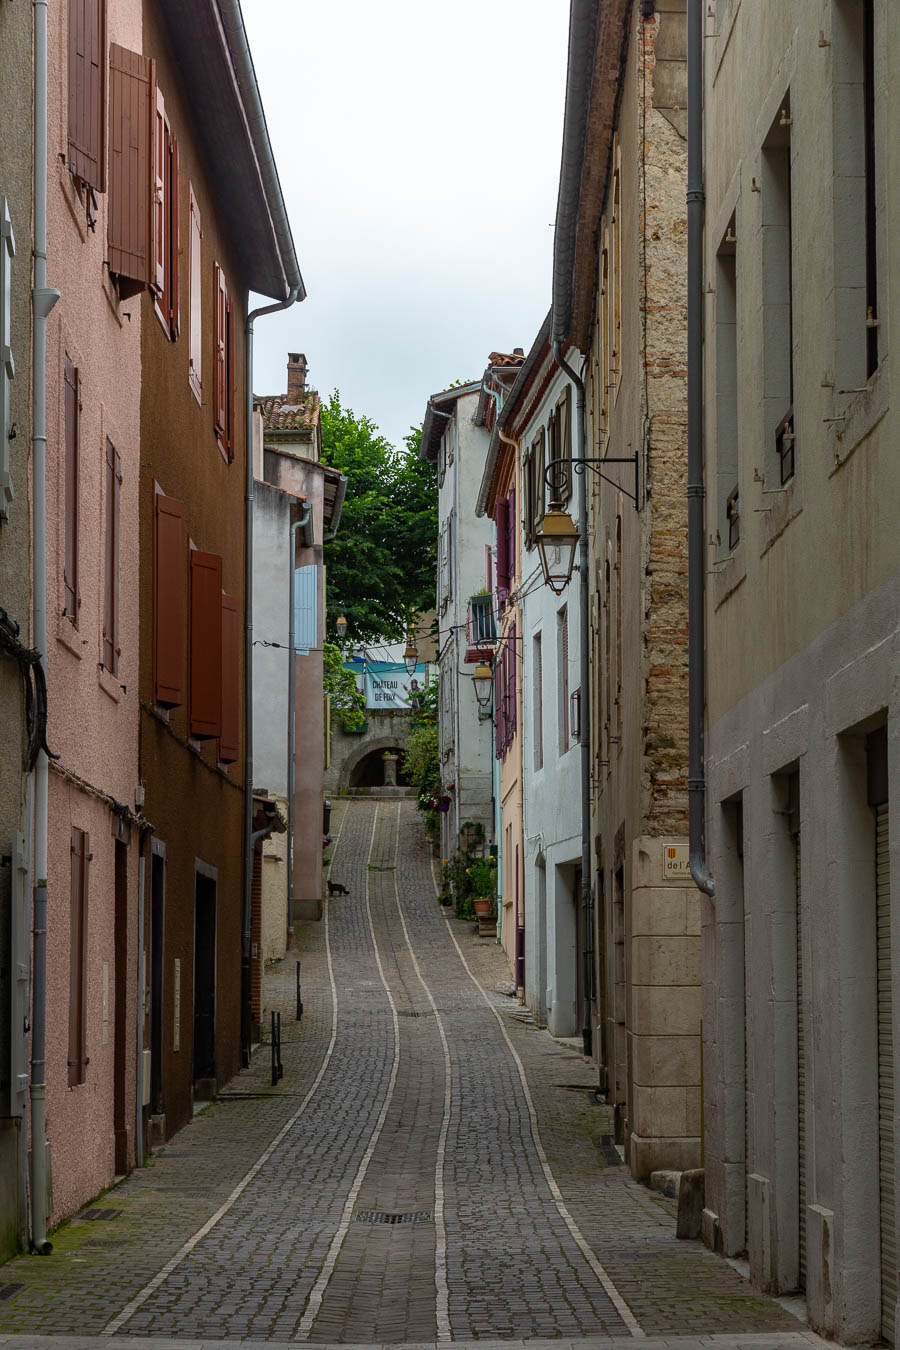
(381,564)
(348,702)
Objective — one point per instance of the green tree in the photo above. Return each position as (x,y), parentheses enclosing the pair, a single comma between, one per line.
(381,564)
(348,702)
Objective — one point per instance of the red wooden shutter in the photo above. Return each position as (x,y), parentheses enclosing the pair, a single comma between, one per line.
(87,81)
(168,602)
(229,743)
(501,518)
(132,108)
(174,239)
(111,565)
(512,521)
(500,702)
(220,302)
(78,958)
(73,421)
(513,706)
(206,645)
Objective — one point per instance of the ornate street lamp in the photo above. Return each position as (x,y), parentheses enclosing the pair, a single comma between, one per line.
(411,657)
(557,540)
(340,625)
(483,680)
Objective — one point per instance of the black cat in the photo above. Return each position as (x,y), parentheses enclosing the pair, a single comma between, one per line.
(335,888)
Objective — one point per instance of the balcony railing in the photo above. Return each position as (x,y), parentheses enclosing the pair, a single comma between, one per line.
(481,623)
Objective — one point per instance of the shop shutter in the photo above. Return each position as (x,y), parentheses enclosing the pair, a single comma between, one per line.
(206,645)
(73,438)
(885,1076)
(168,602)
(78,957)
(801,1064)
(306,595)
(87,79)
(230,739)
(111,561)
(132,113)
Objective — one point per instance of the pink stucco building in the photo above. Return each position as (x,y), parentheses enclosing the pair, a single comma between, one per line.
(93,460)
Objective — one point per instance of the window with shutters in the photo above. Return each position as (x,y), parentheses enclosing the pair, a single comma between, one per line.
(229,747)
(71,597)
(562,448)
(224,381)
(111,649)
(132,122)
(306,609)
(196,353)
(534,488)
(513,692)
(7,365)
(166,225)
(78,907)
(206,645)
(168,601)
(86,92)
(562,653)
(501,520)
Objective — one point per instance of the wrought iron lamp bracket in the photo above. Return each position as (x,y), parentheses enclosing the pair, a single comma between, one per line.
(551,473)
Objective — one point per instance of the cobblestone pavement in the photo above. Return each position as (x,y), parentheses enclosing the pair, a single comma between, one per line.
(429,1168)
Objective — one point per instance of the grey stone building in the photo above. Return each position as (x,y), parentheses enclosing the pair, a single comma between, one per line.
(619,299)
(15,598)
(803,652)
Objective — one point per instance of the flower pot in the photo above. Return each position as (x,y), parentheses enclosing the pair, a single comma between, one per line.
(444,804)
(483,906)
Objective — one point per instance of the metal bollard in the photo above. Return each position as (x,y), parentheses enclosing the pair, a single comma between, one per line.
(299,996)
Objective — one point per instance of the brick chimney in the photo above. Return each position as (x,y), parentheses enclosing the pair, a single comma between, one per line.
(296,386)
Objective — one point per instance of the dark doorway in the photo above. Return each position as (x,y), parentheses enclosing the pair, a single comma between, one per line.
(369,772)
(120,1047)
(204,977)
(157,967)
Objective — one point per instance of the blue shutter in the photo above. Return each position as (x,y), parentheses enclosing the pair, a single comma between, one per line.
(306,628)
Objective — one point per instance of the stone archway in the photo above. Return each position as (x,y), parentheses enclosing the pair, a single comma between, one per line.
(368,745)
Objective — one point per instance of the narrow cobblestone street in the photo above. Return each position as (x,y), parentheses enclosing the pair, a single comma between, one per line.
(430,1167)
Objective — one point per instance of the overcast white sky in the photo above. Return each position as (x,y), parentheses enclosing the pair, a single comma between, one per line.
(418,146)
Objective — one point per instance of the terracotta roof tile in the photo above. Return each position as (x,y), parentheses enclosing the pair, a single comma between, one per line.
(506,358)
(279,415)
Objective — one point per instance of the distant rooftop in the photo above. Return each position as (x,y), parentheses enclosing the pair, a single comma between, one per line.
(300,414)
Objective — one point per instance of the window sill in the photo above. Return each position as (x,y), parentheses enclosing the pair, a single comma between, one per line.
(787,503)
(109,683)
(196,388)
(861,416)
(69,636)
(728,576)
(163,321)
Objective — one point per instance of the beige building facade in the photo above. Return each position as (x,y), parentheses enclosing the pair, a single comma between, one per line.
(619,298)
(803,652)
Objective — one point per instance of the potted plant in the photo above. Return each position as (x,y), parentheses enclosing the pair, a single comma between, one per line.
(482,876)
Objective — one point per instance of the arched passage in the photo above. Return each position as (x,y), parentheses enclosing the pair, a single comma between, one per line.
(371,749)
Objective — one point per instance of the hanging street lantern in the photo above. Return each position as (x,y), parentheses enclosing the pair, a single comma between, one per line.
(340,625)
(411,657)
(483,680)
(557,540)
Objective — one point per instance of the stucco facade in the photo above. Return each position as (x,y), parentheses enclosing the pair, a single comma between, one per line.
(92,708)
(15,600)
(803,770)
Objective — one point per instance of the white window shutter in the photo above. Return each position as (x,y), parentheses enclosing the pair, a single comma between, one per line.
(306,627)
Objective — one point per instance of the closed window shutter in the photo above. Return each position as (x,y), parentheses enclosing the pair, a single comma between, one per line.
(174,239)
(513,523)
(513,709)
(305,608)
(500,696)
(220,300)
(206,645)
(229,742)
(77,1057)
(73,421)
(87,80)
(132,112)
(501,517)
(168,602)
(111,565)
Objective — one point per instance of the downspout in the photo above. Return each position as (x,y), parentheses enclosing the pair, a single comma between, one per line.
(295,527)
(296,292)
(587,903)
(43,299)
(141,996)
(695,489)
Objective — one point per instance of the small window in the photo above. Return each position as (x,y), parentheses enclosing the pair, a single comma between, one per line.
(196,350)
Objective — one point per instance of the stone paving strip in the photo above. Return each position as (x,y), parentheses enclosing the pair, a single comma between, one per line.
(784,1341)
(431,1167)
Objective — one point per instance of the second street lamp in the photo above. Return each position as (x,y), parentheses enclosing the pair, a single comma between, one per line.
(340,627)
(483,681)
(411,657)
(557,540)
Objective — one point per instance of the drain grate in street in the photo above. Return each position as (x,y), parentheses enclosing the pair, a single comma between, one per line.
(385,1216)
(8,1291)
(97,1214)
(411,1012)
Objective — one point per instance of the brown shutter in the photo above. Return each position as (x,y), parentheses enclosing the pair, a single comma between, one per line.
(87,81)
(229,743)
(111,564)
(220,300)
(78,958)
(174,239)
(159,185)
(73,420)
(132,109)
(168,602)
(206,645)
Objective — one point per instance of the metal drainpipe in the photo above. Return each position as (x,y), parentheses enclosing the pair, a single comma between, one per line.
(297,525)
(294,295)
(587,902)
(43,300)
(696,490)
(141,995)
